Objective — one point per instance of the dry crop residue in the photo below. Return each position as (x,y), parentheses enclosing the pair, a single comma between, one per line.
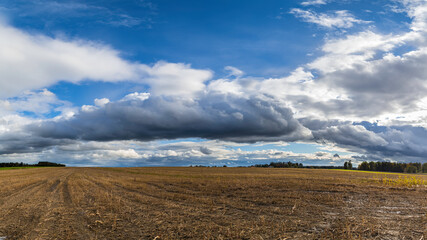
(207,203)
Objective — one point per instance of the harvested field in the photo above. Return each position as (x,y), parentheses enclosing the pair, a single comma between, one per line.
(210,203)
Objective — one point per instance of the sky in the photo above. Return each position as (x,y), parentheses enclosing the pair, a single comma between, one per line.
(224,82)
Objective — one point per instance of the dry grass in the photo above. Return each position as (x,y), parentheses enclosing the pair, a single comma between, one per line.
(210,203)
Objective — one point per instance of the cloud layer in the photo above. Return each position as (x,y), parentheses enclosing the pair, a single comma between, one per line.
(212,115)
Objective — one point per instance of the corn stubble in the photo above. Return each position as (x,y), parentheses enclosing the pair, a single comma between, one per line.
(209,203)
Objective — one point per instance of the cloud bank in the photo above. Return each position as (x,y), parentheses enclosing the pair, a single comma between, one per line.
(212,115)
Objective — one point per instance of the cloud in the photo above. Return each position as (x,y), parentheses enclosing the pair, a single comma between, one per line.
(361,42)
(101,102)
(359,77)
(168,153)
(380,82)
(396,143)
(125,21)
(212,116)
(370,141)
(36,102)
(339,19)
(47,60)
(417,10)
(17,142)
(206,150)
(350,135)
(70,10)
(116,154)
(234,71)
(174,79)
(136,96)
(314,2)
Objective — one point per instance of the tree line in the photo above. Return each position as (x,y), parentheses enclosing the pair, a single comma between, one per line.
(279,165)
(366,166)
(39,164)
(393,167)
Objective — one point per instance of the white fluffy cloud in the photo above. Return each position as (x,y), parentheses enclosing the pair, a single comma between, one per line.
(338,19)
(37,102)
(31,61)
(101,102)
(417,10)
(136,96)
(175,79)
(116,154)
(234,71)
(314,2)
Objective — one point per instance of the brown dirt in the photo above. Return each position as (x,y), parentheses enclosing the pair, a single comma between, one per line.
(207,203)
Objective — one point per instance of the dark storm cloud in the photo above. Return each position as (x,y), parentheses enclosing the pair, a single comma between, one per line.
(213,116)
(23,143)
(205,150)
(350,135)
(320,154)
(405,141)
(368,89)
(368,158)
(390,84)
(316,124)
(399,143)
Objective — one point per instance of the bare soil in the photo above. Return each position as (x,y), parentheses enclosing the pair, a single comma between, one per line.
(208,203)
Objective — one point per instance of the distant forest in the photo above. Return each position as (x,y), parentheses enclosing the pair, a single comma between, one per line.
(393,167)
(297,165)
(293,165)
(366,166)
(280,165)
(39,164)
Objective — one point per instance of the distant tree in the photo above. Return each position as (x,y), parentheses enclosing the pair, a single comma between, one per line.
(39,164)
(425,168)
(372,166)
(348,165)
(418,166)
(288,164)
(14,164)
(393,167)
(49,164)
(411,169)
(364,166)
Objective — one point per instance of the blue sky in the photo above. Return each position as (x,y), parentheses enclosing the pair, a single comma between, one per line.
(167,83)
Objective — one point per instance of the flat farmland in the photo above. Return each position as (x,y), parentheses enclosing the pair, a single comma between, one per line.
(210,203)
